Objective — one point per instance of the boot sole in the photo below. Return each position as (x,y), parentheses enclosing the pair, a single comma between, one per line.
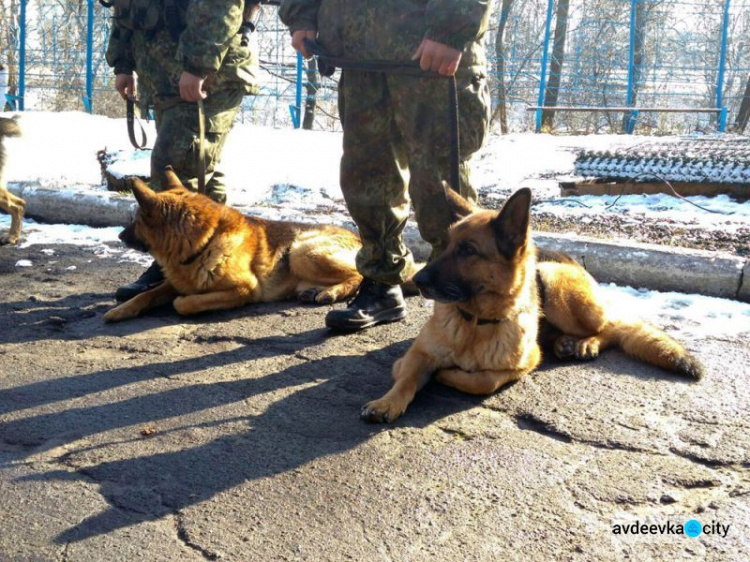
(382,317)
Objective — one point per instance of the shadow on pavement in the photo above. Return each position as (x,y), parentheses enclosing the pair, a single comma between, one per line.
(307,424)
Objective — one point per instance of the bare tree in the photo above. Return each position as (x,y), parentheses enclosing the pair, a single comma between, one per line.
(501,110)
(558,56)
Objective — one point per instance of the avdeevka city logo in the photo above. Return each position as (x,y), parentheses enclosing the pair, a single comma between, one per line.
(693,528)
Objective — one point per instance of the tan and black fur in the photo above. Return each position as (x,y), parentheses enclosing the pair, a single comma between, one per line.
(9,203)
(214,257)
(498,301)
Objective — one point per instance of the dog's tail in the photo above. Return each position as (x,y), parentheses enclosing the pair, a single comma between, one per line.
(653,346)
(9,127)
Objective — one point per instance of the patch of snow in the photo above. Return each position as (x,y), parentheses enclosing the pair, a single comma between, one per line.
(24,263)
(270,171)
(683,315)
(727,214)
(97,240)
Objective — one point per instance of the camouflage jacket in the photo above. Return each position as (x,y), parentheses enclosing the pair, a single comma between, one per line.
(208,46)
(392,29)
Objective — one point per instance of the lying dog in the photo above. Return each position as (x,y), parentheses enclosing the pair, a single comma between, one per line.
(214,257)
(9,203)
(491,292)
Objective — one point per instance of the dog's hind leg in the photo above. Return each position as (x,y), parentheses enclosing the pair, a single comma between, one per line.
(16,207)
(478,382)
(337,292)
(585,349)
(326,271)
(157,296)
(218,300)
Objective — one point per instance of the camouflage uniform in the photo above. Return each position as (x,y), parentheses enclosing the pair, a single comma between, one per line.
(396,127)
(208,46)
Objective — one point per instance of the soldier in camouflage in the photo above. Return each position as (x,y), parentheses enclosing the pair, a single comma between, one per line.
(183,51)
(396,126)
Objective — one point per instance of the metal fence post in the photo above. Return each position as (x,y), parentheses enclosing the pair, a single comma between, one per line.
(722,67)
(296,110)
(88,101)
(631,68)
(22,59)
(545,59)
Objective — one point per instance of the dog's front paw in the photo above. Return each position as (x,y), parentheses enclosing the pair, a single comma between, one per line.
(8,239)
(117,314)
(380,411)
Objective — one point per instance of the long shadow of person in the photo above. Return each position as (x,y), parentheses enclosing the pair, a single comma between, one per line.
(317,417)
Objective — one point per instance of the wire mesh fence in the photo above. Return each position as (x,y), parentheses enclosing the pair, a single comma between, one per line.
(646,66)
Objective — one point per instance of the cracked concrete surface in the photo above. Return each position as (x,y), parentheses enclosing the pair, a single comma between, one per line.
(235,436)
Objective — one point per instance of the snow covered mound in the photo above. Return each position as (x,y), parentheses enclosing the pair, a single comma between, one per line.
(714,159)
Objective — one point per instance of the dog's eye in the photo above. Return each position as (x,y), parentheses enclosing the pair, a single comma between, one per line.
(466,250)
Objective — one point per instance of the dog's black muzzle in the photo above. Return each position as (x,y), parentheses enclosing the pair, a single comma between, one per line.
(437,287)
(129,238)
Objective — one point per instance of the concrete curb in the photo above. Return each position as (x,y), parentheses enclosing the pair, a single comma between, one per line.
(107,208)
(624,263)
(641,265)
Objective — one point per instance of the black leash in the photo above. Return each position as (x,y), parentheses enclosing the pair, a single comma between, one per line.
(201,148)
(327,65)
(131,119)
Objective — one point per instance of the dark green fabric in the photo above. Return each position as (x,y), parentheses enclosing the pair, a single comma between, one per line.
(177,141)
(396,138)
(396,141)
(392,29)
(209,46)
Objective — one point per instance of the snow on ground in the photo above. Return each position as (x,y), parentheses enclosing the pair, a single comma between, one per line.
(691,317)
(280,170)
(717,213)
(102,242)
(683,315)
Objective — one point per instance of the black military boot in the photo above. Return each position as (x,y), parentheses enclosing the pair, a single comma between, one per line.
(375,303)
(152,277)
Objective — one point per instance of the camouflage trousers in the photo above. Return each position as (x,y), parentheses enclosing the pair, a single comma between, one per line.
(177,140)
(396,141)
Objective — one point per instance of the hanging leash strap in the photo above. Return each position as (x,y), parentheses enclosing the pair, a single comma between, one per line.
(201,148)
(131,119)
(327,65)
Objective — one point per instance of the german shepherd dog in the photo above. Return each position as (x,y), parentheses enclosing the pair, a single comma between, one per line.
(492,291)
(214,257)
(9,202)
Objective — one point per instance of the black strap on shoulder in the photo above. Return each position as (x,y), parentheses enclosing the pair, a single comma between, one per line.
(327,65)
(131,119)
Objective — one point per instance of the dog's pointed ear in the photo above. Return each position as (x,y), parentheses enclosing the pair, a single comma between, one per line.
(511,225)
(171,181)
(146,198)
(459,207)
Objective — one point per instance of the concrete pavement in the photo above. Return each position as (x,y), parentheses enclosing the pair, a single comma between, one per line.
(235,436)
